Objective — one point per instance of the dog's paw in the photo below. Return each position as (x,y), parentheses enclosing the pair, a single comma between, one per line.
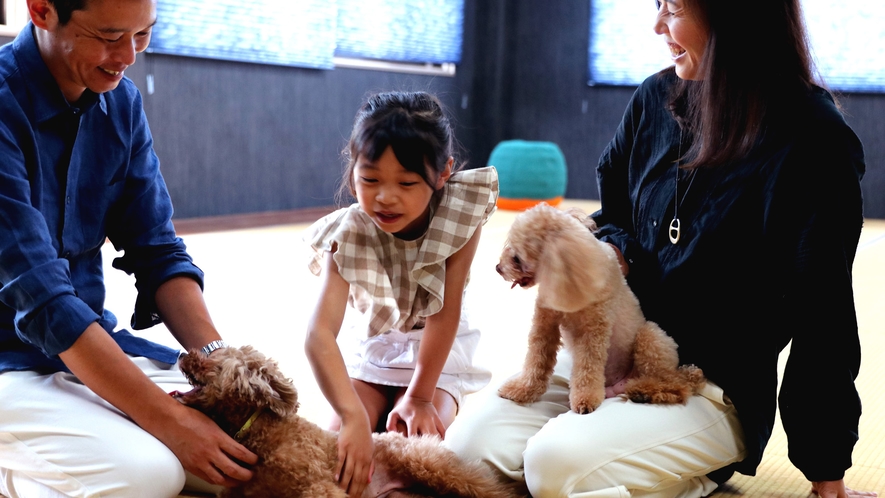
(584,403)
(521,391)
(694,376)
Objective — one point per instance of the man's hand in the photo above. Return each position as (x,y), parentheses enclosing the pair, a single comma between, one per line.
(205,450)
(200,445)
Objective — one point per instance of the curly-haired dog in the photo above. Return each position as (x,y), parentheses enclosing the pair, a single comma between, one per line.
(246,394)
(584,302)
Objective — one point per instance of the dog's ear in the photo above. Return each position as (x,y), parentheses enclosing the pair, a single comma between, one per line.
(573,271)
(284,398)
(259,381)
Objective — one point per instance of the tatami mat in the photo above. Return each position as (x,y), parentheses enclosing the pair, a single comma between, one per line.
(776,476)
(260,292)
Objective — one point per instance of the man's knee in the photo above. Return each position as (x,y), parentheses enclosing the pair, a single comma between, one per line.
(145,471)
(124,481)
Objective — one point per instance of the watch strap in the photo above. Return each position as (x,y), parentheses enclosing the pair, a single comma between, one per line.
(212,346)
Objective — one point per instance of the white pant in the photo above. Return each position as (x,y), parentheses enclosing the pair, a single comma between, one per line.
(622,449)
(59,439)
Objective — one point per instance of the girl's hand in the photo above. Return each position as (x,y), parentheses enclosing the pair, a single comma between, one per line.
(355,451)
(837,489)
(419,417)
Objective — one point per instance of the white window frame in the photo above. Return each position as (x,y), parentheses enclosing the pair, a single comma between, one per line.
(431,69)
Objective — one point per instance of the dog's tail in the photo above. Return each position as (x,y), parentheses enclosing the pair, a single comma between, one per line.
(423,462)
(657,378)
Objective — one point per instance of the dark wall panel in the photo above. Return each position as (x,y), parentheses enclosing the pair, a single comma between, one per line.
(866,115)
(551,98)
(239,138)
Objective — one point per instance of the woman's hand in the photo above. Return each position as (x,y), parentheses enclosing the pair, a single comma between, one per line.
(418,416)
(355,455)
(625,268)
(837,489)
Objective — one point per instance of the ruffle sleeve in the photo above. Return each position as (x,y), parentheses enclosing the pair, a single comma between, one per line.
(364,252)
(468,201)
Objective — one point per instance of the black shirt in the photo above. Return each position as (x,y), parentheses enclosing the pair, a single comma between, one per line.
(765,255)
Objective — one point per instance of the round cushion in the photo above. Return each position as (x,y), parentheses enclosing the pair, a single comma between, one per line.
(529,173)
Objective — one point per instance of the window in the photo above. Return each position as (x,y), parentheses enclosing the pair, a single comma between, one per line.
(287,32)
(411,35)
(13,17)
(403,31)
(848,42)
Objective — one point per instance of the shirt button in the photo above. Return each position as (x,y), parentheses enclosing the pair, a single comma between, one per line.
(654,223)
(67,254)
(68,200)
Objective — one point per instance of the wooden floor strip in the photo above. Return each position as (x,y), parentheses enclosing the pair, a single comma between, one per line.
(207,224)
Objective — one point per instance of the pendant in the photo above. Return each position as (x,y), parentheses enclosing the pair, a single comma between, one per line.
(674,231)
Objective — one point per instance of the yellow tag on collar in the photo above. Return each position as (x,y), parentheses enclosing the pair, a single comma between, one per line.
(248,424)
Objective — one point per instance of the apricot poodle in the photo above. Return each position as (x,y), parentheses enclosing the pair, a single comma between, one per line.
(246,394)
(584,302)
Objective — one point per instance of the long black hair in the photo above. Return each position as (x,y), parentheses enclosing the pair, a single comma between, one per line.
(754,74)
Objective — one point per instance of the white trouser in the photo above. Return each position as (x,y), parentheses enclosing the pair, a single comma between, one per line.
(623,449)
(59,439)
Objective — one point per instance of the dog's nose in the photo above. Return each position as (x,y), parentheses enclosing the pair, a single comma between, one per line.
(498,269)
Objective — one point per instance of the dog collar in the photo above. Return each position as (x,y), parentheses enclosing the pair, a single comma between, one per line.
(245,428)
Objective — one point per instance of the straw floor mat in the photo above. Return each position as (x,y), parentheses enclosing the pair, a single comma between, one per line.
(260,292)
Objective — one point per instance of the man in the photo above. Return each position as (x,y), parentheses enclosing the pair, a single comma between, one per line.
(81,411)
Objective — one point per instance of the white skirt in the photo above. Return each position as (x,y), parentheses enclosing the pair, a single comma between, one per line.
(390,358)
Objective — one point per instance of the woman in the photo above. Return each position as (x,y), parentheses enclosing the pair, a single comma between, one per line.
(732,189)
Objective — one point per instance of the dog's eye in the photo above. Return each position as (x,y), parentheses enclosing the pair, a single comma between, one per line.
(516,261)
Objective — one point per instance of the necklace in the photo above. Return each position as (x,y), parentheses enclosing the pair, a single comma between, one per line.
(675,231)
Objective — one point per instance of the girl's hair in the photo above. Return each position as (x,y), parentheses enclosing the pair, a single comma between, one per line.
(753,73)
(414,124)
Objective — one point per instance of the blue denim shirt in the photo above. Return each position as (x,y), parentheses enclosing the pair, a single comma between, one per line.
(72,175)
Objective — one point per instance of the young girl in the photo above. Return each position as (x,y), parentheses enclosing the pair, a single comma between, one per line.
(394,269)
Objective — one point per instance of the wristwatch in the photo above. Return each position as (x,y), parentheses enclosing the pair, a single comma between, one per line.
(212,346)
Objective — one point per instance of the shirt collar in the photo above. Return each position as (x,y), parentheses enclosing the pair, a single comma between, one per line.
(44,90)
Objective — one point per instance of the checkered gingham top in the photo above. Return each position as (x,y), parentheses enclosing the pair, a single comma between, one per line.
(400,282)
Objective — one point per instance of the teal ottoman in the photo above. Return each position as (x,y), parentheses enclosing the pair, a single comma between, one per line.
(529,173)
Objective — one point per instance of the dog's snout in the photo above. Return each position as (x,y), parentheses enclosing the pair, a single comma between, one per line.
(498,269)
